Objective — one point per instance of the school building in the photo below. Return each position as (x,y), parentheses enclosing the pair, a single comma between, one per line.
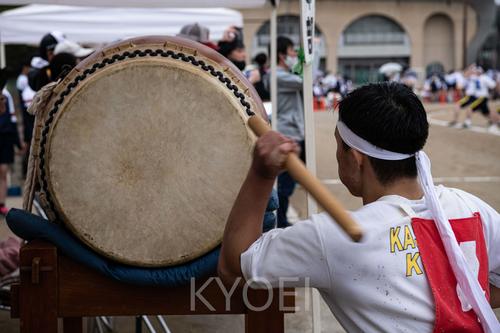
(356,37)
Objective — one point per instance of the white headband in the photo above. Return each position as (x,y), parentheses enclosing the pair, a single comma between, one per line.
(360,144)
(466,280)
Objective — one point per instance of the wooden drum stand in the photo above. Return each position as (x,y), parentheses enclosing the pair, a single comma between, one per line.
(53,286)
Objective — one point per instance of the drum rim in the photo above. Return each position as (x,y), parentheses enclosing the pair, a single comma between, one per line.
(186,51)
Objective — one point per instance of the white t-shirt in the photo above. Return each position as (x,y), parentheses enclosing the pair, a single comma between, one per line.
(27,95)
(459,80)
(366,284)
(471,85)
(484,85)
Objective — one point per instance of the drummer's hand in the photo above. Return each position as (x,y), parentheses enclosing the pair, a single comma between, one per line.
(270,153)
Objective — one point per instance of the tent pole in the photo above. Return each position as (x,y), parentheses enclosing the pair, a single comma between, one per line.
(2,54)
(274,80)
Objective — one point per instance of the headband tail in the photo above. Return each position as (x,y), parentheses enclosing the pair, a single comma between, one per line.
(466,280)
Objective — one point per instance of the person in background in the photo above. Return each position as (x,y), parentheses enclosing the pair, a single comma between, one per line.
(197,33)
(410,79)
(70,47)
(40,75)
(261,85)
(22,83)
(290,118)
(455,82)
(470,84)
(9,137)
(61,64)
(232,47)
(26,95)
(433,86)
(482,92)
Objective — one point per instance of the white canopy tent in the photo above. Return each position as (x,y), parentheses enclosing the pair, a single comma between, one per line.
(145,3)
(27,25)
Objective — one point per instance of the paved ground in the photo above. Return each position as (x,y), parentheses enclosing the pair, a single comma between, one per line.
(467,159)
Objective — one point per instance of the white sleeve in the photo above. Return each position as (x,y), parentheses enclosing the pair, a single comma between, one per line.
(291,257)
(10,101)
(21,82)
(491,227)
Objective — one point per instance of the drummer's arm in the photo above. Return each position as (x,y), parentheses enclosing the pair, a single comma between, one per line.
(244,224)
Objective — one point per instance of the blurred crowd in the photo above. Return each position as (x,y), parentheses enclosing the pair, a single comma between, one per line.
(471,89)
(452,86)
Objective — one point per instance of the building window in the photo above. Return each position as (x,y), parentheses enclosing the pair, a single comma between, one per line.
(288,25)
(374,30)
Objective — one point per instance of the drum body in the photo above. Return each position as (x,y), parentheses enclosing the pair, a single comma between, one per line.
(144,149)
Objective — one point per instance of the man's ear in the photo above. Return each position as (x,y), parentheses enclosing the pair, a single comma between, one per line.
(358,157)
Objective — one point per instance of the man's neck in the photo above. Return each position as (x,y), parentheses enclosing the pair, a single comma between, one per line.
(408,188)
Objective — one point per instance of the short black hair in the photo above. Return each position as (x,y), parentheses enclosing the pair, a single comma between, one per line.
(48,43)
(260,59)
(282,45)
(390,116)
(62,62)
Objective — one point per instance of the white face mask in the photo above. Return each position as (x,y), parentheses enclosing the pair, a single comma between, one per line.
(290,62)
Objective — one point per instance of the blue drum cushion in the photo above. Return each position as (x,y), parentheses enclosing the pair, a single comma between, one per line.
(29,227)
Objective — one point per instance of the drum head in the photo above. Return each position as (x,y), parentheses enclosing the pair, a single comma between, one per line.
(146,157)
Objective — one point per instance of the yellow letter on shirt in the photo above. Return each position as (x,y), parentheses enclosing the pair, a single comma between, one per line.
(394,239)
(412,264)
(409,241)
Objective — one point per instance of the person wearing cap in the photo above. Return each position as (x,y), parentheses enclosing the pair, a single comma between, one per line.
(76,50)
(413,270)
(197,33)
(232,47)
(39,75)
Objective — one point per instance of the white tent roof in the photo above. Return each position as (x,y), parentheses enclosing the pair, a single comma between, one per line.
(28,24)
(144,3)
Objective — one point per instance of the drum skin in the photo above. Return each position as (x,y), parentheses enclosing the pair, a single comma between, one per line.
(145,155)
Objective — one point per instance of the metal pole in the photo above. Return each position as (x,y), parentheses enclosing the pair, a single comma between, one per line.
(464,35)
(312,207)
(310,137)
(274,80)
(2,55)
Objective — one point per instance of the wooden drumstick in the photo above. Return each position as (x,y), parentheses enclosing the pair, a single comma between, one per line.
(312,185)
